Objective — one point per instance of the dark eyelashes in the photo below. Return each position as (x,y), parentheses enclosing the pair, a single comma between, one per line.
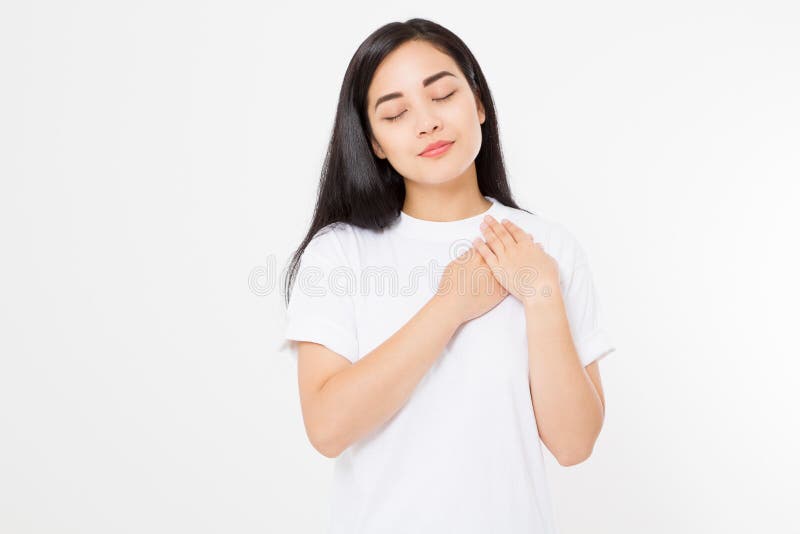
(392,119)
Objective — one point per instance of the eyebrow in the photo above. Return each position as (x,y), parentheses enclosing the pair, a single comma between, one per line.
(425,83)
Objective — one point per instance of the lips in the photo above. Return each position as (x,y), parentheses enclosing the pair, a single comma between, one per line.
(433,146)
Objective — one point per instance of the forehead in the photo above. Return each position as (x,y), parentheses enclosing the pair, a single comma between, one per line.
(405,67)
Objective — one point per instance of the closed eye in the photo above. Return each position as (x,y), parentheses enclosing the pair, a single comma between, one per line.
(392,119)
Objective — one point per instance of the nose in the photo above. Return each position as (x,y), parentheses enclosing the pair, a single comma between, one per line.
(429,123)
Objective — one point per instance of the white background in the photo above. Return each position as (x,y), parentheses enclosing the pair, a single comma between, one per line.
(155,154)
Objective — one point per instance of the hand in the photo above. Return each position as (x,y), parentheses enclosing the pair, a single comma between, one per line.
(468,287)
(519,264)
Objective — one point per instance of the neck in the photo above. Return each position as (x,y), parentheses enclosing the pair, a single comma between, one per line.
(450,201)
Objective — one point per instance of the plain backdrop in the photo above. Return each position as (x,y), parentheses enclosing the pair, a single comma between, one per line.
(159,162)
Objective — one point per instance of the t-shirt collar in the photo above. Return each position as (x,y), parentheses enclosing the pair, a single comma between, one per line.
(468,228)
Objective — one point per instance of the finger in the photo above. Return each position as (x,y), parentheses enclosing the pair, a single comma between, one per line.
(501,232)
(465,256)
(518,233)
(484,250)
(492,239)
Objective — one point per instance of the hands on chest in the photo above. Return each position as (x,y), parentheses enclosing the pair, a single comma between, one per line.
(509,261)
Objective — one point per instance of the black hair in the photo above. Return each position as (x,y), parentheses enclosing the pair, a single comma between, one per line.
(356,186)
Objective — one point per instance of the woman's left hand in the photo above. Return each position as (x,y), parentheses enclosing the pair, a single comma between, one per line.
(519,264)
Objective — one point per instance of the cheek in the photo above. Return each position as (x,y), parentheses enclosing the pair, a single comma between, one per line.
(474,121)
(395,147)
(469,113)
(385,138)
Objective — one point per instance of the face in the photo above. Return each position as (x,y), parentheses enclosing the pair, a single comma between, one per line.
(422,97)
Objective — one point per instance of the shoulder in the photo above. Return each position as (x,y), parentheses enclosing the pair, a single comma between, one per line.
(335,242)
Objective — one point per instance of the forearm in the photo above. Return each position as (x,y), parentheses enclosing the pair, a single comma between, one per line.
(569,412)
(366,394)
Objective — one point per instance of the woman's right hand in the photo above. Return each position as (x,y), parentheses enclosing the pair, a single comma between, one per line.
(469,287)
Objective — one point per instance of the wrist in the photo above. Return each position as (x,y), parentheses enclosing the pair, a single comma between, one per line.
(546,292)
(446,310)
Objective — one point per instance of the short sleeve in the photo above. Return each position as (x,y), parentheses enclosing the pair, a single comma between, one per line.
(321,308)
(583,309)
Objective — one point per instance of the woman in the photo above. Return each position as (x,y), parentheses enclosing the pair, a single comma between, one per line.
(432,395)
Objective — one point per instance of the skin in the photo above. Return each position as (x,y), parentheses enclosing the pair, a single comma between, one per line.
(437,189)
(567,398)
(342,401)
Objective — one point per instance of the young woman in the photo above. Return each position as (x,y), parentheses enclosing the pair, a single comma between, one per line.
(433,393)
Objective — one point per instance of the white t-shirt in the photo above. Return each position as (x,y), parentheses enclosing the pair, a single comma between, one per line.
(463,454)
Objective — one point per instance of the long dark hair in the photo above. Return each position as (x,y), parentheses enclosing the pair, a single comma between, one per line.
(357,187)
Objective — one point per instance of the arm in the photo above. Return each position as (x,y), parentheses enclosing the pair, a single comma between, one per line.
(348,401)
(569,409)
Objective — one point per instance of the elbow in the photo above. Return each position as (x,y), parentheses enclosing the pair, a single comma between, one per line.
(327,431)
(325,442)
(567,455)
(323,445)
(574,457)
(320,430)
(327,450)
(577,454)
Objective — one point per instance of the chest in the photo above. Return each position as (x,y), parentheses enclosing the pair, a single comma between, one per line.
(396,282)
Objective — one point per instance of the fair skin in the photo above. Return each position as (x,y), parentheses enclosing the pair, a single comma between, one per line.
(342,401)
(567,398)
(437,189)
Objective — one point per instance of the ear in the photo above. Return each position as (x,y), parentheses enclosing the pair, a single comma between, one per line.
(377,149)
(481,110)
